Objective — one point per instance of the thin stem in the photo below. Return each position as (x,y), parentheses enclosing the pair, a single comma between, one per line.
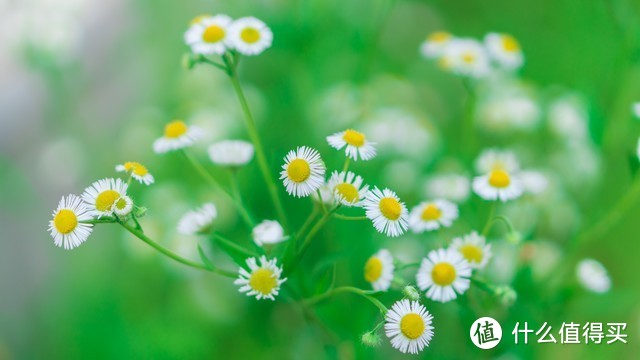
(468,139)
(230,244)
(345,289)
(137,233)
(253,134)
(347,161)
(323,206)
(307,240)
(490,288)
(408,265)
(352,218)
(307,222)
(235,189)
(492,212)
(105,220)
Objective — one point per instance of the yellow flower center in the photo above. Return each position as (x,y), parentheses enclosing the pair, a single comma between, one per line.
(439,36)
(213,34)
(372,269)
(431,213)
(348,192)
(298,170)
(390,208)
(175,129)
(412,326)
(106,199)
(263,281)
(121,203)
(468,58)
(199,18)
(65,221)
(354,138)
(250,35)
(509,44)
(443,274)
(472,253)
(135,168)
(499,178)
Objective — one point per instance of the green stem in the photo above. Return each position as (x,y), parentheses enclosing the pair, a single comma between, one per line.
(228,244)
(408,265)
(468,139)
(105,220)
(490,288)
(307,240)
(307,222)
(352,218)
(238,196)
(347,161)
(253,134)
(492,212)
(346,289)
(137,233)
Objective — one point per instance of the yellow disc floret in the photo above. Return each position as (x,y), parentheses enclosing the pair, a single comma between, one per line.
(472,253)
(499,178)
(443,274)
(348,192)
(298,170)
(390,208)
(431,212)
(213,34)
(135,168)
(250,35)
(439,36)
(65,221)
(175,129)
(373,269)
(412,326)
(263,281)
(106,199)
(354,138)
(510,44)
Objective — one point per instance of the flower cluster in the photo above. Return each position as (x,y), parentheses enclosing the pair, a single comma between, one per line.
(214,35)
(470,57)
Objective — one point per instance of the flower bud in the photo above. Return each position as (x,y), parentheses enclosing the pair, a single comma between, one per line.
(506,295)
(189,61)
(514,237)
(411,293)
(141,211)
(371,339)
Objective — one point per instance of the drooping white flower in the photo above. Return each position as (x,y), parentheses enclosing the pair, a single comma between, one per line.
(268,232)
(593,276)
(198,220)
(231,153)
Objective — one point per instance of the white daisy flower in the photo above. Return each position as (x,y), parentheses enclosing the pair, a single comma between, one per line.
(177,135)
(101,196)
(473,248)
(268,232)
(356,143)
(492,159)
(635,109)
(408,325)
(505,50)
(303,171)
(432,215)
(250,36)
(499,184)
(593,276)
(388,213)
(466,57)
(123,206)
(533,182)
(449,186)
(262,281)
(231,153)
(378,270)
(435,44)
(198,220)
(348,188)
(137,171)
(324,195)
(208,35)
(66,227)
(443,274)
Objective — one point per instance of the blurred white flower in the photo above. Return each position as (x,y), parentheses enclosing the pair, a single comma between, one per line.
(534,182)
(506,111)
(268,232)
(432,215)
(397,130)
(231,153)
(137,171)
(448,186)
(568,118)
(593,276)
(505,50)
(466,57)
(356,143)
(198,221)
(208,35)
(498,184)
(378,270)
(473,248)
(250,36)
(324,195)
(435,44)
(495,159)
(177,135)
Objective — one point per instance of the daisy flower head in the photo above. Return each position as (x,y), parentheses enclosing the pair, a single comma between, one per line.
(177,135)
(499,184)
(263,281)
(593,276)
(473,248)
(409,326)
(378,270)
(443,274)
(250,36)
(268,232)
(466,57)
(102,195)
(208,35)
(432,215)
(137,171)
(505,50)
(303,171)
(356,144)
(66,227)
(324,195)
(433,46)
(198,220)
(492,159)
(347,188)
(231,153)
(386,211)
(123,206)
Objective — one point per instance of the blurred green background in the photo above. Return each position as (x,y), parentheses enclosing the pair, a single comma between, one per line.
(85,85)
